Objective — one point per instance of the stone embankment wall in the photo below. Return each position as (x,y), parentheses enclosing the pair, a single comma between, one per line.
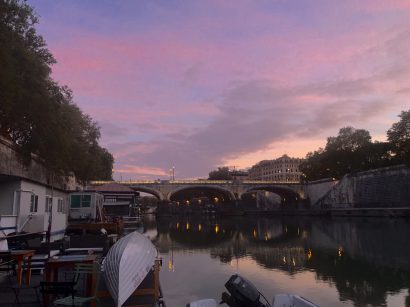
(11,165)
(316,190)
(381,188)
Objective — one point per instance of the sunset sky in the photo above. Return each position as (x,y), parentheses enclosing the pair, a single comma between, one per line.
(202,84)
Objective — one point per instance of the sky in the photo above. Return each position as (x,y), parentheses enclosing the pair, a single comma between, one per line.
(197,85)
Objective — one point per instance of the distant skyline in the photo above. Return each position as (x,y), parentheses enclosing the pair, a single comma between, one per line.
(202,84)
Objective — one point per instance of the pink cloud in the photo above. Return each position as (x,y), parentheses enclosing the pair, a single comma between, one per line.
(138,171)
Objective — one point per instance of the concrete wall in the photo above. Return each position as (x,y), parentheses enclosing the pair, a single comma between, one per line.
(317,189)
(386,187)
(11,165)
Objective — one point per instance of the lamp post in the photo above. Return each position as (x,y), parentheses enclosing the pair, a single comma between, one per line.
(172,173)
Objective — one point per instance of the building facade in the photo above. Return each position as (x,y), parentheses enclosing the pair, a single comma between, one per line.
(283,169)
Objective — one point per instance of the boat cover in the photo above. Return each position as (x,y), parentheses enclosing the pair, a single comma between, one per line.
(127,263)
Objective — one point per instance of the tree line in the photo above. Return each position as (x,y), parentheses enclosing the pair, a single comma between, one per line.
(353,150)
(36,113)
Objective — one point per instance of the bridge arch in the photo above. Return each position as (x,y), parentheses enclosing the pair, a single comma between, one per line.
(287,194)
(207,188)
(151,191)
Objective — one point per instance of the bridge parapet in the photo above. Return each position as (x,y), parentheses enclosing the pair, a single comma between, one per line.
(196,182)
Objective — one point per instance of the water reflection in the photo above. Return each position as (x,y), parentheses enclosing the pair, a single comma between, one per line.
(367,260)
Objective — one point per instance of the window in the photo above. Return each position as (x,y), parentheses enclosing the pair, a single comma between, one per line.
(80,201)
(33,203)
(75,201)
(60,205)
(86,201)
(49,203)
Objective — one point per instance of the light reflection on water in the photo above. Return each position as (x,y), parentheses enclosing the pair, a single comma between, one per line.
(332,262)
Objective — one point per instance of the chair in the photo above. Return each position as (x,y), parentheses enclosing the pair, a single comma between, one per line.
(23,287)
(7,264)
(87,270)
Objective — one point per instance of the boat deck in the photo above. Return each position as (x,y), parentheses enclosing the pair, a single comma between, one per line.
(148,294)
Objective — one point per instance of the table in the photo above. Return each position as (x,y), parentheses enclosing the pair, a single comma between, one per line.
(66,261)
(19,256)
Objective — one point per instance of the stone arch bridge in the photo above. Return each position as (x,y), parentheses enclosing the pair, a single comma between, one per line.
(167,190)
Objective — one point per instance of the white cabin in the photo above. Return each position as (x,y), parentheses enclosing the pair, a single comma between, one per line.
(85,205)
(26,206)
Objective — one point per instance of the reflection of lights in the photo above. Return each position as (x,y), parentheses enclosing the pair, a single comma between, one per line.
(199,201)
(293,262)
(298,231)
(340,252)
(216,228)
(266,237)
(286,229)
(254,233)
(171,267)
(177,225)
(187,202)
(199,227)
(187,226)
(284,260)
(309,254)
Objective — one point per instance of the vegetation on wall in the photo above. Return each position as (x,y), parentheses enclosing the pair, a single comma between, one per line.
(36,113)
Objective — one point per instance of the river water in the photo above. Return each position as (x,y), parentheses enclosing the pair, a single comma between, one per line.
(330,261)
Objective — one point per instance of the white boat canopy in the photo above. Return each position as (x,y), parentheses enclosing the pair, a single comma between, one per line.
(127,263)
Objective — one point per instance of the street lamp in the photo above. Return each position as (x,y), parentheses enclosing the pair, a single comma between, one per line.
(172,173)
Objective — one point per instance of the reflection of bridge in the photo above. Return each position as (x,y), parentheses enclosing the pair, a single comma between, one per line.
(231,190)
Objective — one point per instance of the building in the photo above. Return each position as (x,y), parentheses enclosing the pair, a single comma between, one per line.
(283,169)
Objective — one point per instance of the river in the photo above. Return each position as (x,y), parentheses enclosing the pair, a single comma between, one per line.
(330,261)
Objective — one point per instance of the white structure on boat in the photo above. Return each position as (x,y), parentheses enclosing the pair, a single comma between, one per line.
(31,195)
(85,205)
(26,206)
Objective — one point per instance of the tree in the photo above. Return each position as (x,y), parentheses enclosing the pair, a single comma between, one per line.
(36,113)
(222,173)
(350,151)
(399,137)
(348,139)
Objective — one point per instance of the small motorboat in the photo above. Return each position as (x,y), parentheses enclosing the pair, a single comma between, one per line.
(126,265)
(242,293)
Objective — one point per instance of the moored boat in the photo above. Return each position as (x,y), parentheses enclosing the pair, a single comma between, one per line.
(126,265)
(242,293)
